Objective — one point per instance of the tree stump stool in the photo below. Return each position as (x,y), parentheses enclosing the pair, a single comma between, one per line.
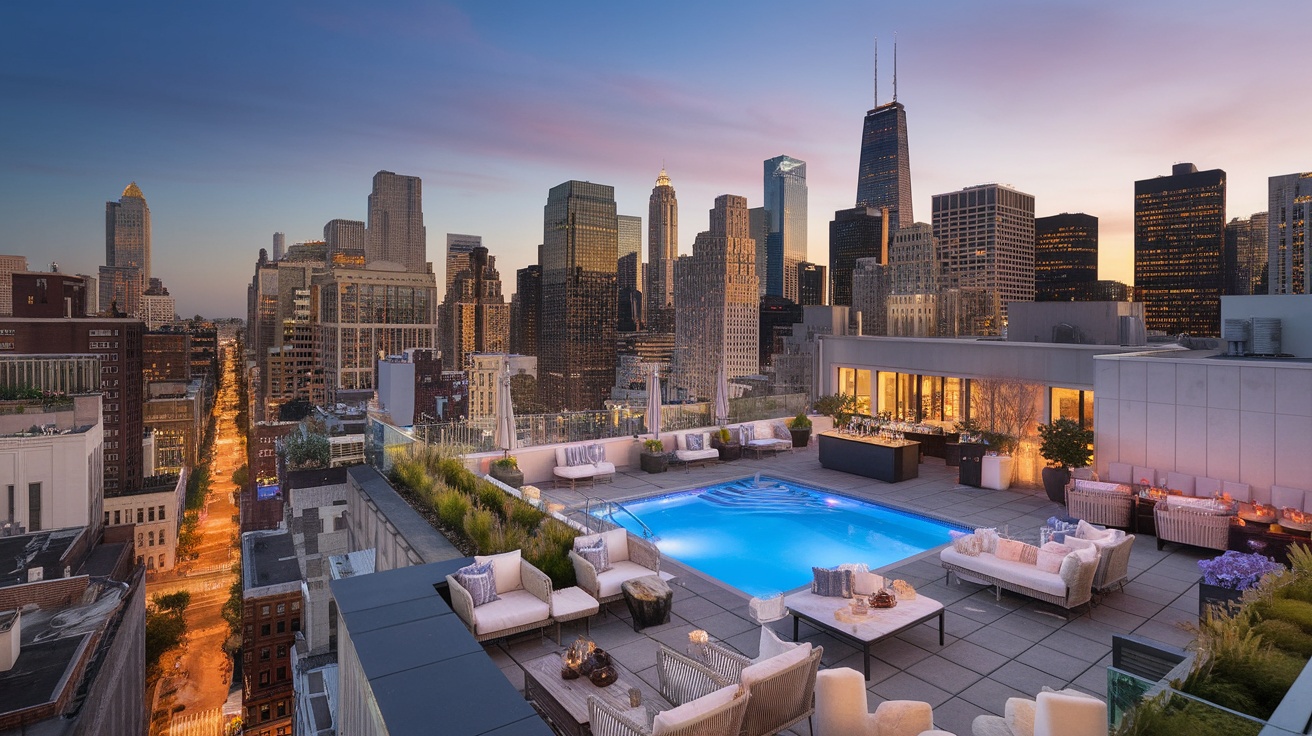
(649,599)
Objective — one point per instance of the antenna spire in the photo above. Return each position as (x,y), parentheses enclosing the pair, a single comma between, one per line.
(876,71)
(895,67)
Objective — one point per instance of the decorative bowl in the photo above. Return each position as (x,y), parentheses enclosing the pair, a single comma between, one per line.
(603,676)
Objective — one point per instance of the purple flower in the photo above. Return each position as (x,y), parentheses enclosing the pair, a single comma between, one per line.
(1237,570)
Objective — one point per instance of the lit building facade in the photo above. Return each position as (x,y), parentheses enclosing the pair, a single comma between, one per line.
(485,371)
(346,241)
(579,255)
(1065,255)
(362,313)
(717,303)
(9,265)
(396,231)
(785,205)
(127,232)
(811,284)
(860,232)
(1179,243)
(1289,207)
(985,237)
(628,277)
(458,248)
(525,310)
(1246,252)
(475,317)
(662,246)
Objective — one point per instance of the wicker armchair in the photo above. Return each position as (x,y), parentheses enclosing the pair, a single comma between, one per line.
(526,607)
(779,701)
(1108,504)
(721,717)
(1187,526)
(630,557)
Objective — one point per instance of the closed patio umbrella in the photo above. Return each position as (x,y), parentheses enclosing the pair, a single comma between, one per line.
(721,397)
(654,402)
(506,439)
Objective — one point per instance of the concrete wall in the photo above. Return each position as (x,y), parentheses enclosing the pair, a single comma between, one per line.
(1098,322)
(1243,420)
(378,518)
(68,467)
(316,513)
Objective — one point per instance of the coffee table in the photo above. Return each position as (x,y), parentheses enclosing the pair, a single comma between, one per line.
(881,624)
(565,702)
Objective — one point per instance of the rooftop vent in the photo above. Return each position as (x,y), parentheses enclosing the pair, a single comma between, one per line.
(1236,333)
(11,637)
(1266,335)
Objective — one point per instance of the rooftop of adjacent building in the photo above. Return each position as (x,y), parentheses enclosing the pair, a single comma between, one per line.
(45,550)
(361,562)
(268,560)
(49,415)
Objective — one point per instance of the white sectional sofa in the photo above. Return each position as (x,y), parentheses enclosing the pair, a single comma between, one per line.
(582,462)
(1069,587)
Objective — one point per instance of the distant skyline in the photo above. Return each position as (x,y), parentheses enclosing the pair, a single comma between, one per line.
(243,120)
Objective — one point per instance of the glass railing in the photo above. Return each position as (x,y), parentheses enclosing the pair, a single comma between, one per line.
(384,442)
(1155,705)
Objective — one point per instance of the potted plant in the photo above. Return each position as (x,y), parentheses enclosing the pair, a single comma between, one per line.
(839,406)
(506,469)
(800,428)
(723,441)
(653,458)
(1065,444)
(1226,577)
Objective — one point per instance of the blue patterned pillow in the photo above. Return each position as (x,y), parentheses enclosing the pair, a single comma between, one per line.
(479,581)
(596,453)
(596,554)
(693,440)
(831,583)
(576,455)
(780,431)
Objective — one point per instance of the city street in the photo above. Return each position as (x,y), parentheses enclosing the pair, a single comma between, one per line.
(202,675)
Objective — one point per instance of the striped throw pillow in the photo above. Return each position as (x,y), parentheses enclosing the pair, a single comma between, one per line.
(479,581)
(831,583)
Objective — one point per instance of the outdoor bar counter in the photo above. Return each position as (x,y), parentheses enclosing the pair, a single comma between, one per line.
(891,462)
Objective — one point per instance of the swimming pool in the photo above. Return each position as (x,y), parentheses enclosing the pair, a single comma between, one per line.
(763,539)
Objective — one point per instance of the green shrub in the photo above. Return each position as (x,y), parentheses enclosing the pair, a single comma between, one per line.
(520,512)
(1298,588)
(491,498)
(451,505)
(411,474)
(457,476)
(507,538)
(1285,635)
(479,524)
(1296,612)
(1168,715)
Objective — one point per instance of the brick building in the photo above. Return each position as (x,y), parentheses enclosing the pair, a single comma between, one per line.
(261,498)
(117,342)
(271,616)
(49,295)
(166,356)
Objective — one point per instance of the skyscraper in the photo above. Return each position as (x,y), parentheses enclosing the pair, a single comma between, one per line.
(897,293)
(579,254)
(811,284)
(1288,241)
(458,248)
(860,232)
(884,175)
(526,310)
(396,222)
(474,317)
(985,238)
(785,202)
(345,241)
(758,224)
(662,246)
(1246,252)
(717,302)
(628,274)
(127,232)
(280,244)
(10,265)
(1179,243)
(1065,256)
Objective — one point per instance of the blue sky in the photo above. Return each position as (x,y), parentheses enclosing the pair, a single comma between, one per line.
(240,119)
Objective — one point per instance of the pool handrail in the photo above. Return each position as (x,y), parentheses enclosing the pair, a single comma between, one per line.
(610,507)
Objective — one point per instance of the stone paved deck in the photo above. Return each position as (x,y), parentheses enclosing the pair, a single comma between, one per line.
(994,649)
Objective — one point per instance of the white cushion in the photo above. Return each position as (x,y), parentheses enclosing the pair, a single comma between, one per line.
(505,568)
(1064,714)
(695,455)
(1019,716)
(1121,473)
(1101,486)
(904,717)
(609,582)
(604,468)
(516,608)
(1180,482)
(572,601)
(772,645)
(1085,530)
(754,673)
(1142,473)
(840,703)
(1238,491)
(560,456)
(1206,487)
(575,471)
(617,543)
(1285,497)
(689,713)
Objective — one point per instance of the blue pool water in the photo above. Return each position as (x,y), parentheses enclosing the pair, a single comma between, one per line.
(765,539)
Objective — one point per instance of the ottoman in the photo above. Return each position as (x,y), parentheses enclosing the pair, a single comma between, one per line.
(570,604)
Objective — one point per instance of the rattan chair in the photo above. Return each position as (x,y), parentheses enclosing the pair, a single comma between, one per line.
(1100,503)
(724,719)
(1113,565)
(779,701)
(1184,525)
(531,602)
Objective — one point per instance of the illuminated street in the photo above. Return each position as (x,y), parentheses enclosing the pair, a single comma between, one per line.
(202,677)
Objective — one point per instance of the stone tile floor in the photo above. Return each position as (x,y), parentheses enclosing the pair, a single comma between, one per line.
(994,648)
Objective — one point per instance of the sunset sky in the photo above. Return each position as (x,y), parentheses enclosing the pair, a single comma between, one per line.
(239,119)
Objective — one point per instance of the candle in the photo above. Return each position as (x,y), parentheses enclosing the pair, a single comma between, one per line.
(697,636)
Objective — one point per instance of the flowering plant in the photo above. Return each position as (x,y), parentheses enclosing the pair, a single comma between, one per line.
(1237,570)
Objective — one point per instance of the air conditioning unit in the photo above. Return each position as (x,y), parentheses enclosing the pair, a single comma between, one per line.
(1236,333)
(1266,335)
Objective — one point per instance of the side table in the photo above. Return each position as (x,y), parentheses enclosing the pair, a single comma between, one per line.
(649,599)
(729,451)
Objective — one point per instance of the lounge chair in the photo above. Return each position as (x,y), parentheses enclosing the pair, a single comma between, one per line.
(629,557)
(523,599)
(718,713)
(782,687)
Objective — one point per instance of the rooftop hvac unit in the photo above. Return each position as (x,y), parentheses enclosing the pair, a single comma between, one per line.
(1236,332)
(1266,335)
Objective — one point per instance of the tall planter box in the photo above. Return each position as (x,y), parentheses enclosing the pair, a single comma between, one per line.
(653,462)
(1209,595)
